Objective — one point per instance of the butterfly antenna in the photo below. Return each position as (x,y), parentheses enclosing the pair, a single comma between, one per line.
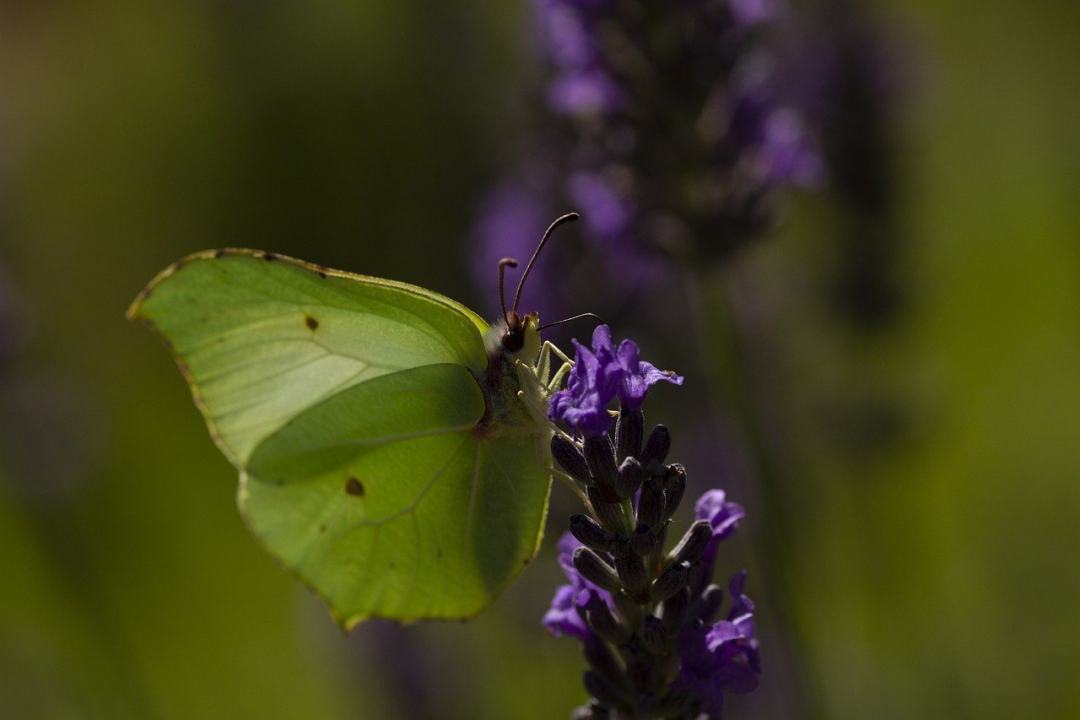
(568,217)
(594,316)
(503,264)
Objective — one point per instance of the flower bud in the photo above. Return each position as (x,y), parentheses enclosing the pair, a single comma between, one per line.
(603,662)
(669,705)
(603,623)
(628,431)
(632,573)
(711,602)
(657,446)
(651,504)
(590,534)
(570,459)
(642,541)
(673,610)
(674,488)
(629,477)
(600,457)
(602,690)
(654,635)
(609,513)
(594,569)
(671,581)
(693,543)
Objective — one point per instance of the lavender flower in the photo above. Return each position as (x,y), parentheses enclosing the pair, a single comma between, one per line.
(627,596)
(600,374)
(639,375)
(592,386)
(673,134)
(723,516)
(722,657)
(566,615)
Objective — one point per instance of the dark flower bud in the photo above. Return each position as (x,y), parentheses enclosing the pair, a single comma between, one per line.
(570,459)
(656,557)
(600,457)
(643,540)
(629,478)
(656,446)
(700,575)
(632,573)
(693,543)
(594,569)
(608,512)
(604,691)
(711,602)
(590,534)
(651,504)
(639,673)
(673,610)
(628,431)
(674,488)
(671,581)
(603,623)
(600,659)
(654,635)
(628,609)
(620,546)
(669,705)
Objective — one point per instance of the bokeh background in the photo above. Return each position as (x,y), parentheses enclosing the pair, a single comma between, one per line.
(914,552)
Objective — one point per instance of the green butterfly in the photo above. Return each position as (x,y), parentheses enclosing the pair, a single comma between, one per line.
(393,448)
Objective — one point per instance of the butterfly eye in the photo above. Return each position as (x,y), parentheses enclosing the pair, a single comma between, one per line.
(513,341)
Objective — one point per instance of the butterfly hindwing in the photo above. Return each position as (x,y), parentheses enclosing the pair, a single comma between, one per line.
(354,410)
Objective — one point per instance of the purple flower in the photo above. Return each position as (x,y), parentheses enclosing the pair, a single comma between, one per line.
(593,384)
(601,374)
(584,92)
(722,657)
(753,12)
(606,214)
(566,614)
(566,38)
(787,155)
(723,515)
(640,376)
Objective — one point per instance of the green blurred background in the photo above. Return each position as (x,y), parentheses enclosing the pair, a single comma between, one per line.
(932,576)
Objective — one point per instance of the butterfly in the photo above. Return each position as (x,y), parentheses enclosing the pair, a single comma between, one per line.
(393,447)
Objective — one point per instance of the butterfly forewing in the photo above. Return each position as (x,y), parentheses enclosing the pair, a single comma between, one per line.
(354,409)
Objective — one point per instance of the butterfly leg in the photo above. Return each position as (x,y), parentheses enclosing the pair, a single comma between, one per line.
(543,363)
(557,378)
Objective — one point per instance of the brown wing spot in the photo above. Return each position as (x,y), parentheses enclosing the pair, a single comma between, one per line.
(321,274)
(269,256)
(220,253)
(322,528)
(311,322)
(354,487)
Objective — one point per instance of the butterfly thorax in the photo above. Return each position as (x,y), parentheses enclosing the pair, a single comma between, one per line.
(514,394)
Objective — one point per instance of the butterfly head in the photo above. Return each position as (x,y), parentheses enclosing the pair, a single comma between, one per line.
(520,333)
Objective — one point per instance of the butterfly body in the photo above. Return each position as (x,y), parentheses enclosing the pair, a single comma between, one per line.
(389,446)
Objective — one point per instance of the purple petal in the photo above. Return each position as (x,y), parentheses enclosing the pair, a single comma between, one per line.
(585,92)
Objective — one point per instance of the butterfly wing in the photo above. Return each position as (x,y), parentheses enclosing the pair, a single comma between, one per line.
(357,413)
